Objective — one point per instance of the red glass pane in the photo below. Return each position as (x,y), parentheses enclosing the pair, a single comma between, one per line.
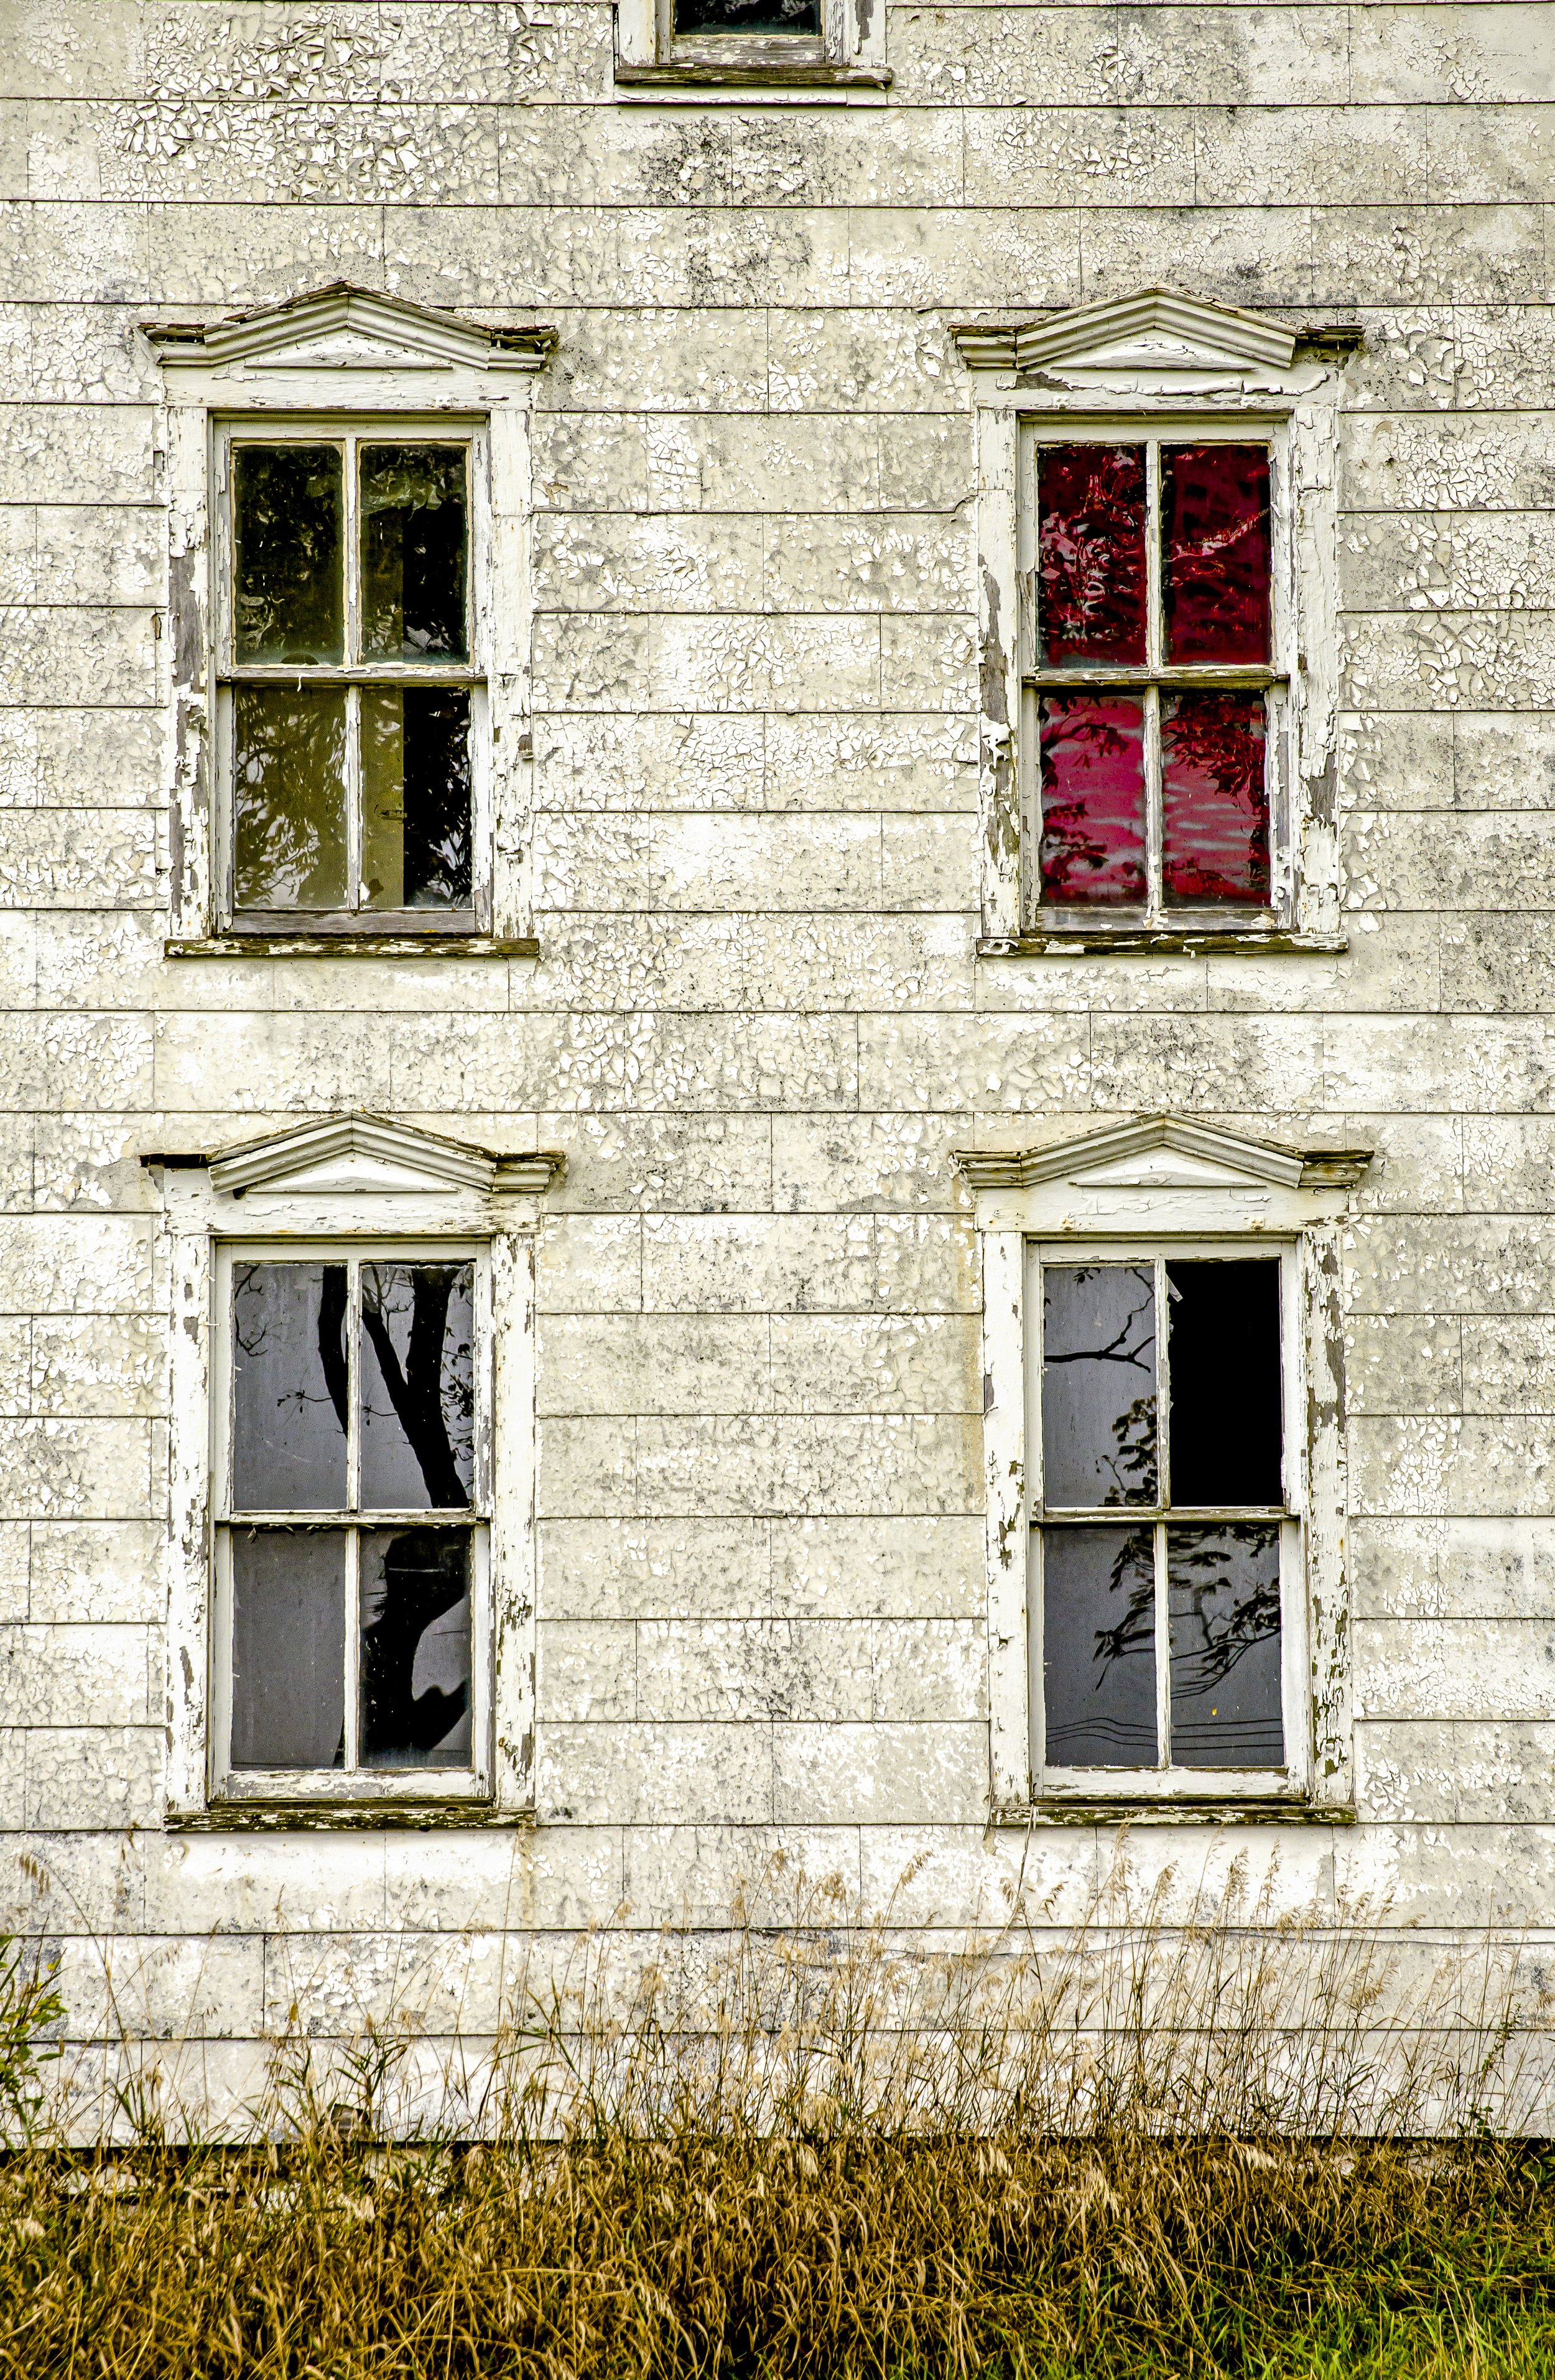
(1214,802)
(1093,798)
(1214,503)
(1091,553)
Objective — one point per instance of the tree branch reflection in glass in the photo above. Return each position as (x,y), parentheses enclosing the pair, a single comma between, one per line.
(1099,1390)
(1099,1656)
(1223,1597)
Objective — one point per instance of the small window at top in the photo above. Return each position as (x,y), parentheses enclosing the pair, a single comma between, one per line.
(349,681)
(700,17)
(1154,681)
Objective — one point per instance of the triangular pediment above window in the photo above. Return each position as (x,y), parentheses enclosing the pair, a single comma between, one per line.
(1162,1153)
(342,329)
(355,1155)
(1157,339)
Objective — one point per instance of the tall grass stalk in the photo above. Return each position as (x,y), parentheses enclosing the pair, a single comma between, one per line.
(1204,2139)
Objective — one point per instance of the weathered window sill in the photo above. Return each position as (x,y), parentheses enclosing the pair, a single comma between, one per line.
(351,946)
(1245,1810)
(704,80)
(288,1817)
(1073,943)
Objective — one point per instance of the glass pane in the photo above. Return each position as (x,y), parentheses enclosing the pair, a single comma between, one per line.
(1091,553)
(288,589)
(413,553)
(1215,805)
(1099,1385)
(1093,798)
(416,797)
(1224,1595)
(1099,1647)
(1223,1358)
(288,797)
(288,1388)
(415,1648)
(1214,503)
(418,1386)
(748,16)
(288,1648)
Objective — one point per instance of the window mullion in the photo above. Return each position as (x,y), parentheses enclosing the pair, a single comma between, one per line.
(353,796)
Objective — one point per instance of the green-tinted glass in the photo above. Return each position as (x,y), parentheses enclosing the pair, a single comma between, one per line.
(288,587)
(416,797)
(289,797)
(414,541)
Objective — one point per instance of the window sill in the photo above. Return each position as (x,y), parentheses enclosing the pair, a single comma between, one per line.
(1242,1810)
(288,1817)
(1090,942)
(775,79)
(304,945)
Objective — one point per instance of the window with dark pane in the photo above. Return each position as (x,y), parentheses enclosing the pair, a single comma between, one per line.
(1163,1390)
(693,17)
(1152,586)
(350,684)
(353,1410)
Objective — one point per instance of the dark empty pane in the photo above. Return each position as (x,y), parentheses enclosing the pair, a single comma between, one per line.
(413,553)
(1215,553)
(1093,798)
(415,1648)
(418,1386)
(748,16)
(1214,801)
(1098,1657)
(1224,1595)
(288,1388)
(1098,1384)
(416,798)
(288,797)
(288,1648)
(1091,553)
(1223,1347)
(288,584)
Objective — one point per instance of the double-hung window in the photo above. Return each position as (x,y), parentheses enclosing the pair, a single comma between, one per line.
(1154,683)
(1167,1627)
(351,704)
(352,1509)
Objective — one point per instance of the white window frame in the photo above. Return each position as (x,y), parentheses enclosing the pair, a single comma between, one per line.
(845,64)
(339,361)
(471,434)
(1051,1782)
(350,1186)
(1160,365)
(357,1785)
(1163,1186)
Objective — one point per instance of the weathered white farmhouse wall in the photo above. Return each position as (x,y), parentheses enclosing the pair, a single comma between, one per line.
(757,1025)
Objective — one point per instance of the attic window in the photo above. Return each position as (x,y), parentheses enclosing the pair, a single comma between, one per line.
(1157,698)
(782,52)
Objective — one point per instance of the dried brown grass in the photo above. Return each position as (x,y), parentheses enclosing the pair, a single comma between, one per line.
(1162,2141)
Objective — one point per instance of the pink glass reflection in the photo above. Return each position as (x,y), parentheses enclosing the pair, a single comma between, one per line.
(1090,505)
(1093,798)
(1214,801)
(1215,553)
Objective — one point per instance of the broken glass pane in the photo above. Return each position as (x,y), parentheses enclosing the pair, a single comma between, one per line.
(1099,1647)
(413,553)
(418,1386)
(748,16)
(1091,553)
(288,1648)
(288,797)
(1093,798)
(288,1388)
(1215,553)
(415,1648)
(1224,1595)
(1214,802)
(288,602)
(1223,1359)
(416,797)
(1099,1385)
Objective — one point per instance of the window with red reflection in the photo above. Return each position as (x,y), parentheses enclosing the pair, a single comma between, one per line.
(1152,581)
